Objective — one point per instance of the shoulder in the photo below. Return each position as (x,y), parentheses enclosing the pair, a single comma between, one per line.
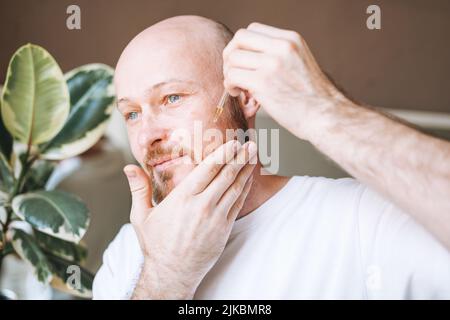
(320,186)
(326,193)
(121,263)
(408,260)
(322,204)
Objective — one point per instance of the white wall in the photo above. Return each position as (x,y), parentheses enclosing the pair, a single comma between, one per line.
(299,157)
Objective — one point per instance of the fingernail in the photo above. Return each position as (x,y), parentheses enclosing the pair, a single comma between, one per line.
(130,173)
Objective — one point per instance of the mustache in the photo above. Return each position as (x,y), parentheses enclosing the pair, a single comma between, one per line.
(160,154)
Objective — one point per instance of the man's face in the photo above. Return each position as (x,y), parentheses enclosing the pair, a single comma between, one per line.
(167,91)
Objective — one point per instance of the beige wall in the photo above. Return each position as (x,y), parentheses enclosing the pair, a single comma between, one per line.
(405,65)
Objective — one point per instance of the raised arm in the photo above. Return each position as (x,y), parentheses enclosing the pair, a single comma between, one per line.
(410,168)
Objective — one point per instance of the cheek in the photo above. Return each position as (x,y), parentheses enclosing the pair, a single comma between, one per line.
(185,125)
(205,134)
(199,108)
(135,147)
(205,114)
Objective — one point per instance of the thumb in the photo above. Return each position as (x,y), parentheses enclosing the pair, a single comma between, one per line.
(141,191)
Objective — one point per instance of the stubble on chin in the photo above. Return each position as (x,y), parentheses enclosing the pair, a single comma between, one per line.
(161,185)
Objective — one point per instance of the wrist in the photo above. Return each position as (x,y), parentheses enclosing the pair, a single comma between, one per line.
(325,117)
(156,283)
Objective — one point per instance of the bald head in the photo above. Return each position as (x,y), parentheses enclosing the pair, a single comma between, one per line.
(195,28)
(188,40)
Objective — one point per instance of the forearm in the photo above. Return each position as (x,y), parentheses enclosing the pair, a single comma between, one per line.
(407,166)
(153,286)
(410,168)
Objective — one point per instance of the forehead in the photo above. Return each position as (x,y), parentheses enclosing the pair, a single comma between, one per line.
(160,57)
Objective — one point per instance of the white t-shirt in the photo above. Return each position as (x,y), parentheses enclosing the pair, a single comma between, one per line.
(316,238)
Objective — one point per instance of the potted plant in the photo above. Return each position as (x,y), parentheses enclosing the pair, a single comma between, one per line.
(46,117)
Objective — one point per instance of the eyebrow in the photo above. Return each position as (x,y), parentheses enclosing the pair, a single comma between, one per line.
(159,85)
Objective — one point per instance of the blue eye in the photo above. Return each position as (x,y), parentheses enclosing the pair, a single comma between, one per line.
(173,98)
(131,116)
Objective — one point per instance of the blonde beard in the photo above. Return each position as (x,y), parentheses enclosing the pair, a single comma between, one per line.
(161,187)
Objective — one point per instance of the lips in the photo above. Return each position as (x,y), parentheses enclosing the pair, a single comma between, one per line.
(164,162)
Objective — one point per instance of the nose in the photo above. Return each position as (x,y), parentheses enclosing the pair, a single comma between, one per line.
(151,130)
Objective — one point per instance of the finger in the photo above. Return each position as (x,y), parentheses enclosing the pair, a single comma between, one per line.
(237,79)
(205,172)
(294,40)
(229,173)
(245,59)
(253,41)
(276,32)
(237,206)
(141,192)
(230,197)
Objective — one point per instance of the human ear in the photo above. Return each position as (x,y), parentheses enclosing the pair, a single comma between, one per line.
(248,104)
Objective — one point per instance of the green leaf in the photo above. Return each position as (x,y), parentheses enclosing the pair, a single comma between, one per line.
(61,248)
(39,174)
(66,279)
(6,141)
(55,212)
(7,249)
(26,247)
(35,100)
(6,174)
(92,101)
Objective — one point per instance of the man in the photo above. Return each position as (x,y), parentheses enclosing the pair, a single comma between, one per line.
(206,224)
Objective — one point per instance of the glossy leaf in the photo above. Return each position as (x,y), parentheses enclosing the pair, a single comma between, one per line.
(25,246)
(61,248)
(39,174)
(56,213)
(6,141)
(35,99)
(6,174)
(92,102)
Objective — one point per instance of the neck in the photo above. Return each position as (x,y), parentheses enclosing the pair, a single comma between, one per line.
(263,188)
